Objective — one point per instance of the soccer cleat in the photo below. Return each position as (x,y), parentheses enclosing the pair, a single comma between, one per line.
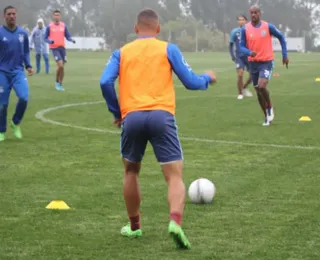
(57,86)
(127,232)
(266,122)
(270,114)
(2,137)
(247,93)
(240,97)
(61,88)
(176,232)
(16,130)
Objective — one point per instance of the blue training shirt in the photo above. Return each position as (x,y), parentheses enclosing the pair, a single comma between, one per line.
(235,41)
(273,31)
(14,49)
(179,65)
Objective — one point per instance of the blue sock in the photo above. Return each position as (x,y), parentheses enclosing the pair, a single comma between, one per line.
(3,118)
(20,109)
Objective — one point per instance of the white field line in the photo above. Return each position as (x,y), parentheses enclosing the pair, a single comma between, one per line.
(42,113)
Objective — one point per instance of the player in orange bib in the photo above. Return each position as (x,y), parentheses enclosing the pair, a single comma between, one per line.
(146,113)
(256,42)
(55,35)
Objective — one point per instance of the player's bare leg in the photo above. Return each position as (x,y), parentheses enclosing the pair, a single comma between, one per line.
(176,198)
(246,92)
(262,101)
(131,193)
(263,83)
(59,75)
(248,82)
(240,83)
(176,188)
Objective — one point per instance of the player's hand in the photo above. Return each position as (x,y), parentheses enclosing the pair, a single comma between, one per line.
(213,76)
(253,54)
(30,71)
(117,122)
(285,61)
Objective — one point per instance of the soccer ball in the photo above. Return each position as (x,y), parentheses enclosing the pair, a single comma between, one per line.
(201,191)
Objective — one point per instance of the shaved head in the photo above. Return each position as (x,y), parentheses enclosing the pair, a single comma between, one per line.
(255,7)
(255,13)
(148,18)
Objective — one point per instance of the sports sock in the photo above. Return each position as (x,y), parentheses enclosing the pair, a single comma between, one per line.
(135,223)
(176,217)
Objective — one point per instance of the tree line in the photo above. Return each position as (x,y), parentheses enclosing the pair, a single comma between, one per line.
(193,24)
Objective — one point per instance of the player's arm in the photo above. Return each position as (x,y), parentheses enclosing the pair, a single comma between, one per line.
(107,80)
(26,58)
(68,35)
(276,33)
(243,42)
(184,72)
(46,36)
(231,44)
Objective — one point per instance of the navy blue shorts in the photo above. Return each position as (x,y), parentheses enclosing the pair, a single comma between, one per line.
(261,70)
(159,128)
(242,63)
(59,54)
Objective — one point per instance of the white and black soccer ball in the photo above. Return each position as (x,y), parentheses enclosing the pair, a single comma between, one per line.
(201,191)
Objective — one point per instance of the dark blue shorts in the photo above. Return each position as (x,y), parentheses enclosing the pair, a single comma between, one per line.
(159,128)
(59,54)
(242,63)
(261,70)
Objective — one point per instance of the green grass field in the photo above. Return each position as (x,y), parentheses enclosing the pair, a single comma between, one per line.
(268,179)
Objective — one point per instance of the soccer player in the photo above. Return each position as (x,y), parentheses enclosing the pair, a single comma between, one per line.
(40,46)
(55,35)
(14,58)
(146,113)
(240,59)
(256,42)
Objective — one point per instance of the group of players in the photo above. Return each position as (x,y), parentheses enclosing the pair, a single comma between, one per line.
(254,53)
(146,108)
(15,58)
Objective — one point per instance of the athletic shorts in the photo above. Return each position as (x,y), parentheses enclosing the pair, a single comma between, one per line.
(157,127)
(242,63)
(59,54)
(261,70)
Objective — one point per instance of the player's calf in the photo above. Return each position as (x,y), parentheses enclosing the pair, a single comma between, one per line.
(176,189)
(240,84)
(131,192)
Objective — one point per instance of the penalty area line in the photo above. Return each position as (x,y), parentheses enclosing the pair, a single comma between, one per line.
(41,115)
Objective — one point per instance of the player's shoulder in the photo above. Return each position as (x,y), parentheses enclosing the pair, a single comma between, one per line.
(235,30)
(22,30)
(172,47)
